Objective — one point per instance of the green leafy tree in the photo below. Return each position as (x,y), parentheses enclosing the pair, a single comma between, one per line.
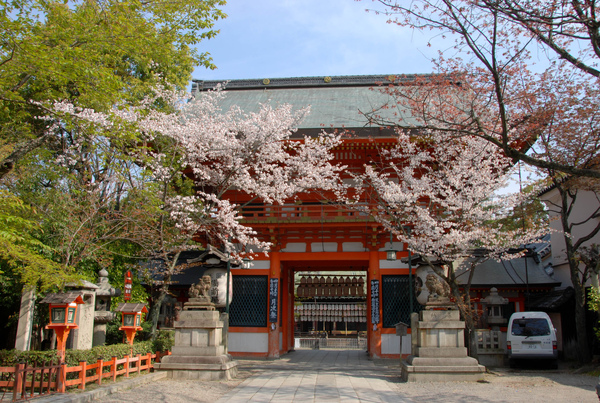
(94,54)
(20,248)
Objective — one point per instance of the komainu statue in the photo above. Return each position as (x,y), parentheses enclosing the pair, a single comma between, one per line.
(438,289)
(202,289)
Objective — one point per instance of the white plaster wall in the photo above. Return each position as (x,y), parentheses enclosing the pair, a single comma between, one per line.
(395,264)
(390,344)
(248,342)
(353,247)
(586,203)
(324,246)
(295,247)
(260,264)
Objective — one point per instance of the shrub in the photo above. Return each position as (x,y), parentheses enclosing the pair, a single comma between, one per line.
(74,357)
(164,340)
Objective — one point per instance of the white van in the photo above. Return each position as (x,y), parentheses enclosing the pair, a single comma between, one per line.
(531,335)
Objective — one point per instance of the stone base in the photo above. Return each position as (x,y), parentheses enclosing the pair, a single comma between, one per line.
(199,368)
(442,369)
(198,353)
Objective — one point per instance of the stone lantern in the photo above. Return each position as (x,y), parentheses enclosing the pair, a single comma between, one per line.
(63,314)
(132,318)
(495,309)
(103,314)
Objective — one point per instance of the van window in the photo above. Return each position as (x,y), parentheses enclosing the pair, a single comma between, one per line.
(530,327)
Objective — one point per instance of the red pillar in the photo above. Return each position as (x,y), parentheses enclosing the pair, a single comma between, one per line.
(287,303)
(275,272)
(374,329)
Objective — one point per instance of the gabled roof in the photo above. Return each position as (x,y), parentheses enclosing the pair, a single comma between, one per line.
(336,102)
(511,273)
(130,307)
(530,269)
(551,300)
(63,298)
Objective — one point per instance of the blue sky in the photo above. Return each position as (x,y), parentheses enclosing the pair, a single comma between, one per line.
(298,38)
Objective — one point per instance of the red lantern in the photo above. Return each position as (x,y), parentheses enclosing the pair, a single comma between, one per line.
(63,314)
(131,318)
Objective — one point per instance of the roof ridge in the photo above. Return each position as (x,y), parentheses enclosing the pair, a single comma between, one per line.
(314,81)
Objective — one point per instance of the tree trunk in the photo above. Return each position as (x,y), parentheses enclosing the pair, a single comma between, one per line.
(583,348)
(171,264)
(156,305)
(464,307)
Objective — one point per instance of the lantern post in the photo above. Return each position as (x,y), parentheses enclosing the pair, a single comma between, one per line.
(131,320)
(63,314)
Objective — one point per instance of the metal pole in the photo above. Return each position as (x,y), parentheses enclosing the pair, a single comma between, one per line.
(410,280)
(410,283)
(227,292)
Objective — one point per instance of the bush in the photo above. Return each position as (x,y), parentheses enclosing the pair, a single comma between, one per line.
(74,357)
(164,341)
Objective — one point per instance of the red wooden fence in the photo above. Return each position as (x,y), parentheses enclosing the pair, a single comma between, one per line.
(26,382)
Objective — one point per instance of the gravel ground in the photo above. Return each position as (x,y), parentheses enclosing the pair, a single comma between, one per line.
(507,386)
(501,385)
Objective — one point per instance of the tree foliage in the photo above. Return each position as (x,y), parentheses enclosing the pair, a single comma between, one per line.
(520,75)
(21,250)
(94,54)
(489,85)
(434,192)
(189,158)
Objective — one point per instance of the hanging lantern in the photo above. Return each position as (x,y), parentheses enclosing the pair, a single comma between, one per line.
(246,263)
(390,255)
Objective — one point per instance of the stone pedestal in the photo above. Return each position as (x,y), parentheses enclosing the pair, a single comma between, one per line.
(198,352)
(439,352)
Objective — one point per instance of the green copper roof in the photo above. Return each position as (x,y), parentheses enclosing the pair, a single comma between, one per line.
(334,101)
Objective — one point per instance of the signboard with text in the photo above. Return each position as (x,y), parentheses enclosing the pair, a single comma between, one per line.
(128,282)
(374,301)
(273,297)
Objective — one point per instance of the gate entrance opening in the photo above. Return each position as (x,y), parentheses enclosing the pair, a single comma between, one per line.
(330,310)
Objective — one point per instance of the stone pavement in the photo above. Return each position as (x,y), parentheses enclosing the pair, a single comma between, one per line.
(318,376)
(98,394)
(300,376)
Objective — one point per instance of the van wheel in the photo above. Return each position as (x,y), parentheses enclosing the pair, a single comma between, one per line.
(554,364)
(512,362)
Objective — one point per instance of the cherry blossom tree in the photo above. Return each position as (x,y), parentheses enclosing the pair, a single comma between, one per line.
(527,85)
(442,187)
(521,75)
(193,156)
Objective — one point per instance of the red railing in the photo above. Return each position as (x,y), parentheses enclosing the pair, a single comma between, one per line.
(300,213)
(27,382)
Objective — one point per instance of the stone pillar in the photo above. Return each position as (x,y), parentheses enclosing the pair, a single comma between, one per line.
(23,341)
(81,338)
(274,330)
(225,332)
